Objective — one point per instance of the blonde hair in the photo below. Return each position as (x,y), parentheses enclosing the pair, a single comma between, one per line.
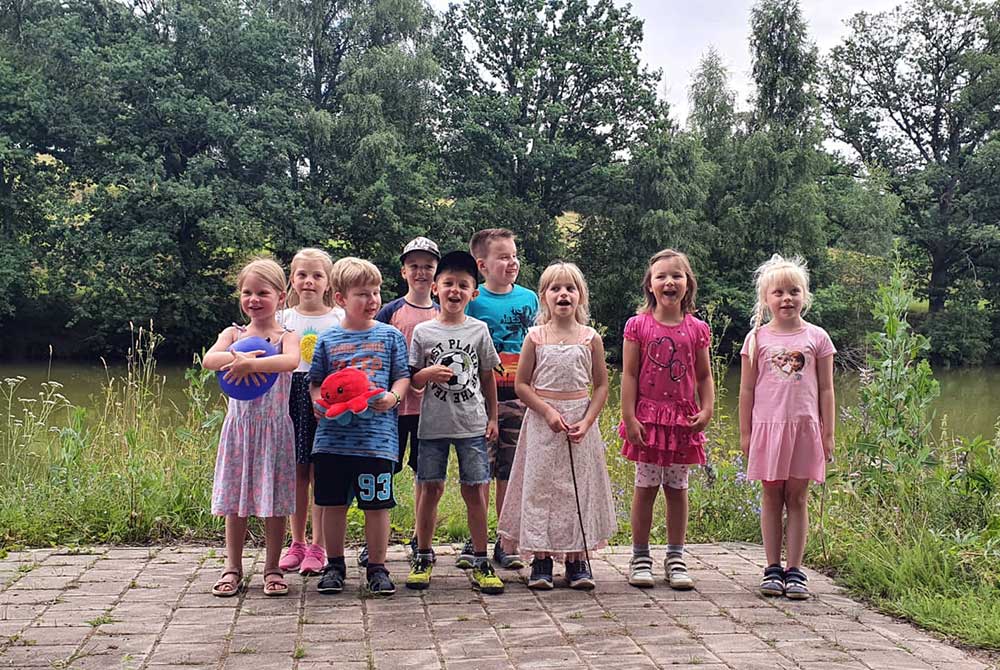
(776,271)
(479,245)
(266,269)
(305,256)
(649,300)
(563,271)
(350,272)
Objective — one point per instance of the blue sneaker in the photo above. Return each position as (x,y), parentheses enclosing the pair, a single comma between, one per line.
(505,560)
(541,574)
(579,576)
(332,580)
(379,583)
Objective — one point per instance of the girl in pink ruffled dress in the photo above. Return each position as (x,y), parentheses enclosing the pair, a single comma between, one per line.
(787,419)
(665,362)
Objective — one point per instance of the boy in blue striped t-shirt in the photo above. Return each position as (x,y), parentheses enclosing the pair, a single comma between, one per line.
(358,459)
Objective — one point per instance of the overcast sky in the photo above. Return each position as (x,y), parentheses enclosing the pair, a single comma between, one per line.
(677,33)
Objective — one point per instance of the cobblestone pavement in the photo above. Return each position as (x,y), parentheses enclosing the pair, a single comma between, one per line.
(136,608)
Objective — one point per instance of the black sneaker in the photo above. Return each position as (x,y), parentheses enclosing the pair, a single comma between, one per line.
(363,556)
(579,576)
(541,574)
(467,558)
(332,580)
(379,583)
(505,560)
(773,583)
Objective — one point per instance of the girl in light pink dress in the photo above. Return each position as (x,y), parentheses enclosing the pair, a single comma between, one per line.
(255,465)
(787,416)
(558,500)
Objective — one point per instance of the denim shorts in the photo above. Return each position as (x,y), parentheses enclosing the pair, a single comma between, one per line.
(473,463)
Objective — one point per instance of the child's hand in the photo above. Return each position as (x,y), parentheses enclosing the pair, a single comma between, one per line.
(384,402)
(439,374)
(492,431)
(635,432)
(241,368)
(319,411)
(828,448)
(700,420)
(555,421)
(577,430)
(745,446)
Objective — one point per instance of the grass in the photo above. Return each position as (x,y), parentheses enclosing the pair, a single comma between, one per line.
(922,543)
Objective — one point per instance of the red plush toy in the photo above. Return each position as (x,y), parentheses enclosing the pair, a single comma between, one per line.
(347,390)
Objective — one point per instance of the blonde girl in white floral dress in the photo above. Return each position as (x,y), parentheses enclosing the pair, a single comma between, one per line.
(560,358)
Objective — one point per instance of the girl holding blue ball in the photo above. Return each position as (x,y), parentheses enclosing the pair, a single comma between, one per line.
(255,465)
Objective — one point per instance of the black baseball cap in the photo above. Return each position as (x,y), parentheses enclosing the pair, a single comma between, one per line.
(458,261)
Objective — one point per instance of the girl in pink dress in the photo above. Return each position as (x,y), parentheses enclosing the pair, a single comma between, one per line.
(665,360)
(255,465)
(786,415)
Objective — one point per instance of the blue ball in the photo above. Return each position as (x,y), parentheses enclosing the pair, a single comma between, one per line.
(247,390)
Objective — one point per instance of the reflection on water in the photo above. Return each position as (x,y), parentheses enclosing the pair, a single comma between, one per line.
(969,396)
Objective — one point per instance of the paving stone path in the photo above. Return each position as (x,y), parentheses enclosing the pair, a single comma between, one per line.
(138,608)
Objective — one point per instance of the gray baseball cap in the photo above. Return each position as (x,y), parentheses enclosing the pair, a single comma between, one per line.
(421,244)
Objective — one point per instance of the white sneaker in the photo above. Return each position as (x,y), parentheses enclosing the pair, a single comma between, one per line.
(640,572)
(677,573)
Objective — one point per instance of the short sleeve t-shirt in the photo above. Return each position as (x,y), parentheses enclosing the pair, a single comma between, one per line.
(508,317)
(404,317)
(309,329)
(379,352)
(456,408)
(787,380)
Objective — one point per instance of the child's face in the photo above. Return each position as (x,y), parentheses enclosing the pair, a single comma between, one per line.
(310,282)
(562,298)
(784,302)
(454,290)
(361,303)
(418,270)
(259,300)
(668,283)
(501,264)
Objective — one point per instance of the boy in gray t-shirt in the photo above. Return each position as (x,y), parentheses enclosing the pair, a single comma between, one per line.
(453,356)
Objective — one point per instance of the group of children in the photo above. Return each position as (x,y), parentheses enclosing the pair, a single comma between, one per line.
(515,381)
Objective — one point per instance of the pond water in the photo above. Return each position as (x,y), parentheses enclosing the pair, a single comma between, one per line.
(970,397)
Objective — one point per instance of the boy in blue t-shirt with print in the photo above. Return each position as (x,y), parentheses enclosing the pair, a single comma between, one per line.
(358,459)
(508,310)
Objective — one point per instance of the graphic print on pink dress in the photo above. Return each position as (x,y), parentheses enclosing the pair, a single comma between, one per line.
(787,365)
(662,352)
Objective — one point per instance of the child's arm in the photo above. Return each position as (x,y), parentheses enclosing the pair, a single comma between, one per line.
(247,364)
(748,382)
(706,390)
(631,356)
(524,391)
(488,382)
(391,400)
(599,373)
(219,354)
(827,404)
(433,373)
(399,369)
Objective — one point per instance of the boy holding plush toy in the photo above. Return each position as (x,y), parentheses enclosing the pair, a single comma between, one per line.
(357,456)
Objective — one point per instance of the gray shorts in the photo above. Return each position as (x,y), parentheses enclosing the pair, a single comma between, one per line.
(473,463)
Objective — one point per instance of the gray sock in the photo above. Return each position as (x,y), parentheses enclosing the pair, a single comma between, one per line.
(640,550)
(675,549)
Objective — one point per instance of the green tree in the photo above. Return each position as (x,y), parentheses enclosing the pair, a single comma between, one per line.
(914,91)
(541,99)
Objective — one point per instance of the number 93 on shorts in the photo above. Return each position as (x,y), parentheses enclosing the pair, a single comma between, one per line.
(340,478)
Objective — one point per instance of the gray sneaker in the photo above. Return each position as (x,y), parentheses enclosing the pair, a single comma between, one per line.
(467,558)
(505,560)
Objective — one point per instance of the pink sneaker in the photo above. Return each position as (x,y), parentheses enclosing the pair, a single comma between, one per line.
(296,552)
(314,562)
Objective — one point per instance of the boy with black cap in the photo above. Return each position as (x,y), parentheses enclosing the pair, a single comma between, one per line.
(453,357)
